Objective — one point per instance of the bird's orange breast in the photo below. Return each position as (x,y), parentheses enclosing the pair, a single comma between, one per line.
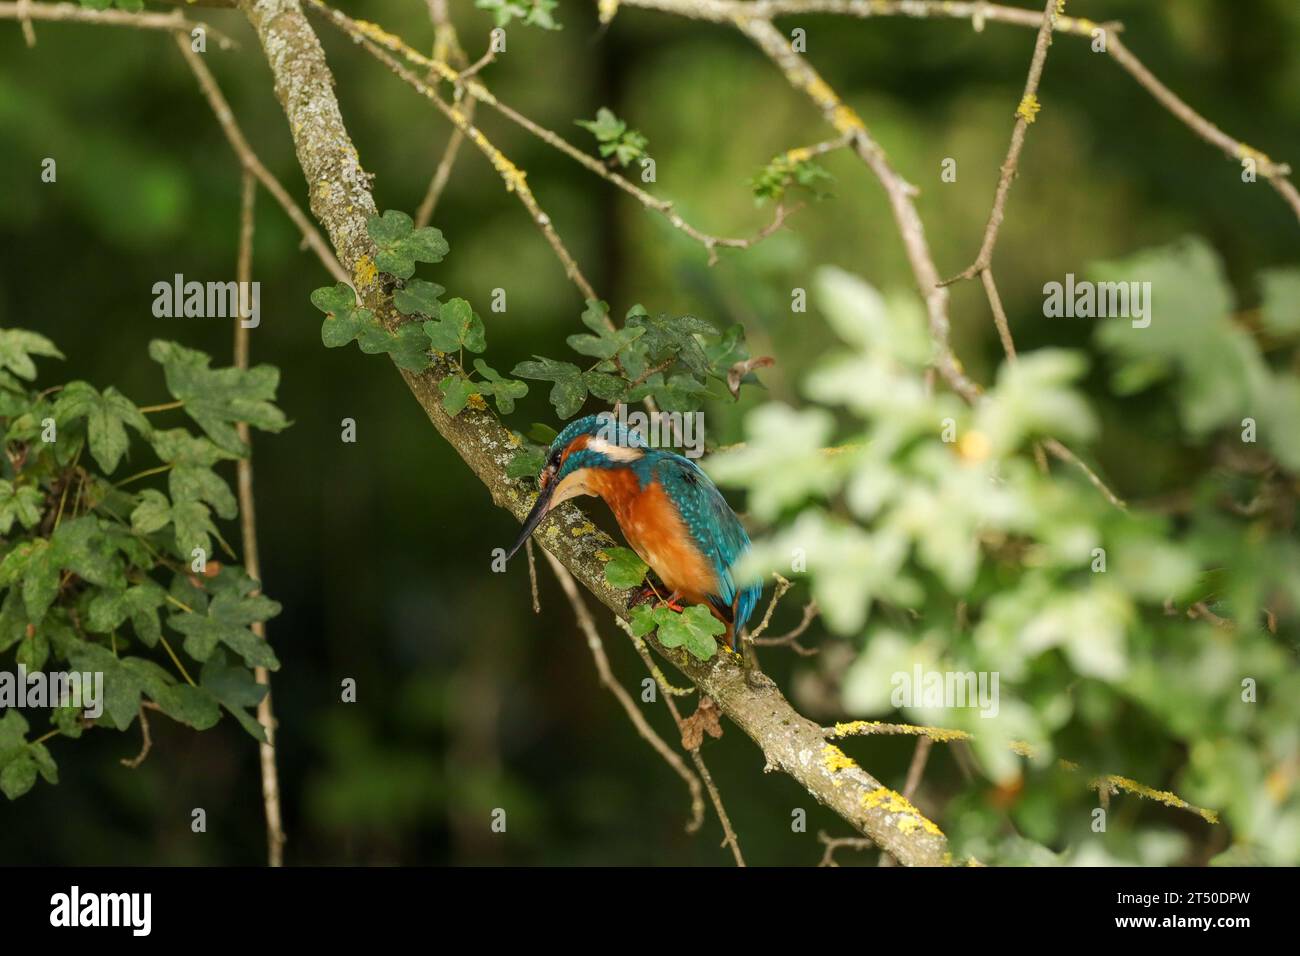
(655,530)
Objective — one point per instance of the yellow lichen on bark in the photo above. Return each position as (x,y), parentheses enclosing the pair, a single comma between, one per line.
(909,818)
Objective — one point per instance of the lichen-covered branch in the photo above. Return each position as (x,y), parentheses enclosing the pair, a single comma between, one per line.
(341,200)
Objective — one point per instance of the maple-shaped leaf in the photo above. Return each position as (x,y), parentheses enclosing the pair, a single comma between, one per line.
(217,398)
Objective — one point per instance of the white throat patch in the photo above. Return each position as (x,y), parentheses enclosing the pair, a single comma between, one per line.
(615,452)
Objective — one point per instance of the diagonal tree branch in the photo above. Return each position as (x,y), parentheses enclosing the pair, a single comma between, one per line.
(342,201)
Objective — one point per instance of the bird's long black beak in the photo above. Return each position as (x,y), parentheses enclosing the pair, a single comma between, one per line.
(534,518)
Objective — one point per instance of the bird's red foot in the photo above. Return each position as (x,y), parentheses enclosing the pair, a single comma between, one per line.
(649,593)
(645,594)
(670,602)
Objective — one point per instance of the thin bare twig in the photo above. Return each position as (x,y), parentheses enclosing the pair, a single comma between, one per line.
(1276,173)
(597,648)
(463,81)
(791,638)
(446,47)
(532,576)
(146,742)
(778,592)
(730,839)
(248,159)
(29,31)
(978,13)
(374,41)
(25,12)
(835,843)
(916,769)
(248,530)
(1026,112)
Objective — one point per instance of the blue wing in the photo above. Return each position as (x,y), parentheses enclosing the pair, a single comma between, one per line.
(715,528)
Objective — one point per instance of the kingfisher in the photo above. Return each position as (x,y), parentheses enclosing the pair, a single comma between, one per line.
(671,513)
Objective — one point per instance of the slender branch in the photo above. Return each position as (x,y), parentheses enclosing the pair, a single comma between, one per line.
(146,742)
(729,838)
(462,80)
(801,75)
(1026,112)
(75,13)
(248,530)
(975,11)
(29,31)
(1276,173)
(726,11)
(835,843)
(514,178)
(916,769)
(424,214)
(597,648)
(446,47)
(248,159)
(791,638)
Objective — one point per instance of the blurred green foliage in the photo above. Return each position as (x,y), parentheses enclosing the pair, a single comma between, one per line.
(931,538)
(379,550)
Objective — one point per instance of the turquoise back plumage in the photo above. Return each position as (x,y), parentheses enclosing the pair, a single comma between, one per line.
(717,531)
(713,526)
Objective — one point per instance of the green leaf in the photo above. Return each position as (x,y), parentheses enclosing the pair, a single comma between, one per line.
(13,619)
(419,297)
(226,622)
(614,137)
(81,546)
(343,320)
(569,391)
(18,775)
(642,620)
(217,398)
(107,414)
(531,12)
(694,629)
(606,127)
(456,391)
(527,463)
(34,651)
(667,337)
(1280,307)
(607,342)
(21,504)
(111,607)
(783,172)
(624,569)
(401,245)
(192,482)
(409,347)
(609,388)
(234,687)
(503,390)
(457,327)
(17,346)
(542,434)
(194,527)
